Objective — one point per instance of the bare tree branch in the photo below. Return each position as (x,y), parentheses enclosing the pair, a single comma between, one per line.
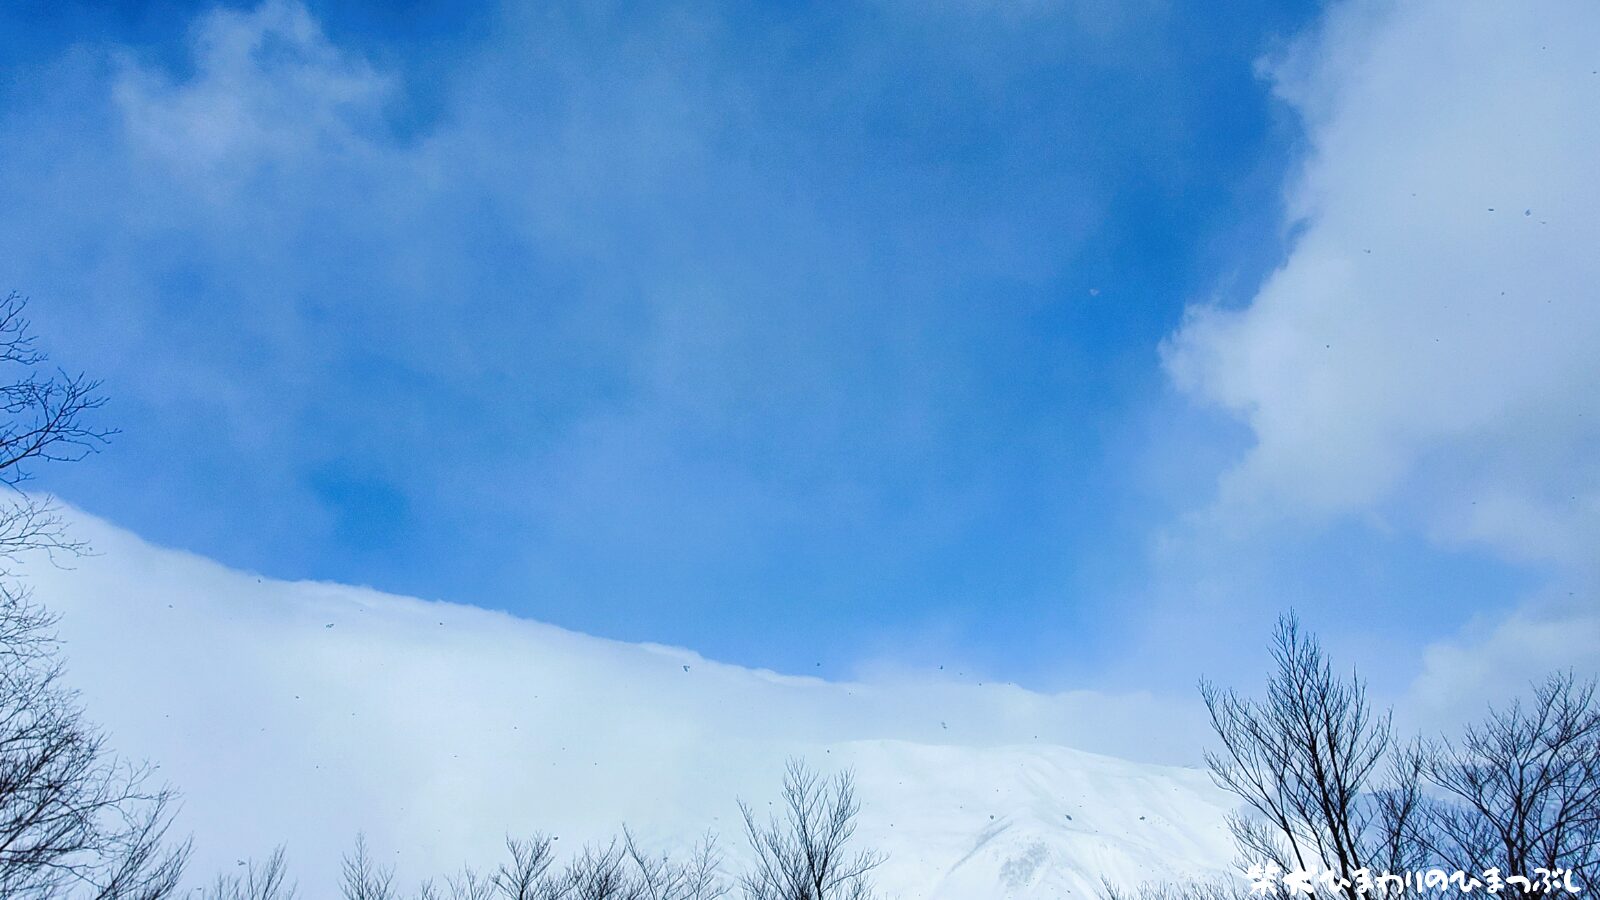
(804,854)
(363,878)
(74,819)
(44,417)
(1522,788)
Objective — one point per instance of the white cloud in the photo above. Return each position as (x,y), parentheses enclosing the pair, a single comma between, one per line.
(1435,322)
(302,712)
(267,88)
(1494,657)
(1426,357)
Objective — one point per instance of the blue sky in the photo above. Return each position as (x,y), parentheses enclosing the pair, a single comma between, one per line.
(818,337)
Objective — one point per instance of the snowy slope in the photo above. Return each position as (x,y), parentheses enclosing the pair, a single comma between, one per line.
(302,713)
(1031,822)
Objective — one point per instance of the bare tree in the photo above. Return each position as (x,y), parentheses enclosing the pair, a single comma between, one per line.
(1324,783)
(1521,789)
(45,419)
(1309,762)
(615,871)
(525,876)
(662,878)
(75,821)
(469,885)
(363,878)
(805,854)
(1175,890)
(599,873)
(266,881)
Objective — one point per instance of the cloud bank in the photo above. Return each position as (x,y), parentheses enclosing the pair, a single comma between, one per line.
(1425,358)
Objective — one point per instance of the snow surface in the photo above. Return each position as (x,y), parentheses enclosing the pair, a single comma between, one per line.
(302,713)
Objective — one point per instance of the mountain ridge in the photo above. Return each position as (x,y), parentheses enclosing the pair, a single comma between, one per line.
(312,711)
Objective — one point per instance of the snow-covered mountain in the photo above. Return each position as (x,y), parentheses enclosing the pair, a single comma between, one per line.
(301,713)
